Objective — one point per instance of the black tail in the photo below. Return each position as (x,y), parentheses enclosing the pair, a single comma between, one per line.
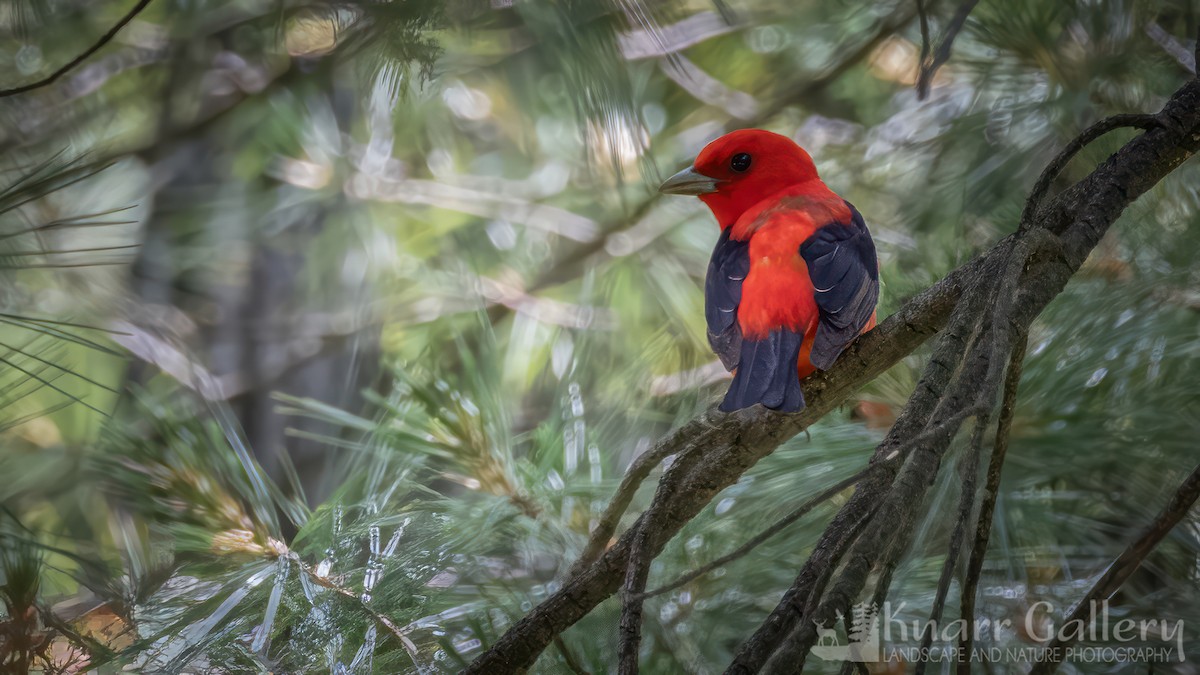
(766,374)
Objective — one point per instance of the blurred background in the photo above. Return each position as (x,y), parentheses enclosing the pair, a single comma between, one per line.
(328,328)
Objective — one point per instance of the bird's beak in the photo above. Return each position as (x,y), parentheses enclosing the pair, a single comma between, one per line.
(689,182)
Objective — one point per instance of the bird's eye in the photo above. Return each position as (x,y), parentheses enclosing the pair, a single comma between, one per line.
(740,162)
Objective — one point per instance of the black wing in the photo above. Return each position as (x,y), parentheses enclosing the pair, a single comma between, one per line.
(845,276)
(722,293)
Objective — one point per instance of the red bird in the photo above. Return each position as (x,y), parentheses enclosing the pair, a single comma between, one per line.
(793,278)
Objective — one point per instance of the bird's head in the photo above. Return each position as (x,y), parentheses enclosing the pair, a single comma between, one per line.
(740,169)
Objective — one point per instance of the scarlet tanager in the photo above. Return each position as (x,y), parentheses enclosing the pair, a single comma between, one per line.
(793,278)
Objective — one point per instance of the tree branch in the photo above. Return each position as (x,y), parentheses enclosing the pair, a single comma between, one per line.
(988,506)
(70,65)
(898,508)
(1056,165)
(727,445)
(637,472)
(1047,263)
(637,570)
(570,659)
(966,505)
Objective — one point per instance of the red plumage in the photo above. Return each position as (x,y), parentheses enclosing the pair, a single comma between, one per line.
(794,276)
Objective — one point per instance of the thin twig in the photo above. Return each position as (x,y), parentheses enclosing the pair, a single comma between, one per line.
(966,504)
(884,570)
(634,476)
(897,511)
(641,553)
(629,629)
(834,554)
(104,39)
(988,505)
(1001,324)
(887,568)
(772,530)
(1055,167)
(324,582)
(1130,559)
(930,64)
(569,658)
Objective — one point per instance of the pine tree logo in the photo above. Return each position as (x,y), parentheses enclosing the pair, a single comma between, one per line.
(863,637)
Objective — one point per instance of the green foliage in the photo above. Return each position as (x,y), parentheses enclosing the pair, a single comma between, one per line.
(445,211)
(220,585)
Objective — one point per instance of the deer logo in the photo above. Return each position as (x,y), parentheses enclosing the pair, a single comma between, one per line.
(826,636)
(863,637)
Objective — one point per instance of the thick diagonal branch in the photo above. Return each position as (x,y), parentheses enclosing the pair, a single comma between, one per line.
(728,445)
